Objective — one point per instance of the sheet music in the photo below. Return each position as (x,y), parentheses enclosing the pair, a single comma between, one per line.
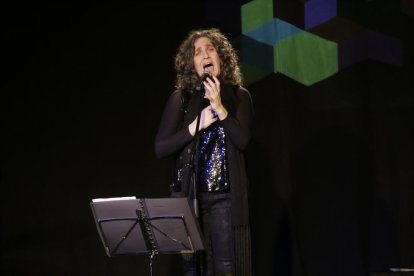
(113,198)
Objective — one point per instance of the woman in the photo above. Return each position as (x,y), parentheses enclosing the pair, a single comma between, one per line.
(209,84)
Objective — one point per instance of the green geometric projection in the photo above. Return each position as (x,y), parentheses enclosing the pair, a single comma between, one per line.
(310,43)
(255,14)
(306,57)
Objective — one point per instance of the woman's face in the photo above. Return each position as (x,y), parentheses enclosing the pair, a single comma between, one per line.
(206,57)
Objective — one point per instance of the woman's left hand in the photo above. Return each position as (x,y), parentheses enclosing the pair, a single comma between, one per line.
(212,93)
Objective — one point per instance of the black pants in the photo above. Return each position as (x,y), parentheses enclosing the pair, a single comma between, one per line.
(215,221)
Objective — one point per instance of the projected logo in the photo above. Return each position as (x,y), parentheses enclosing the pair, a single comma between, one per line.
(304,40)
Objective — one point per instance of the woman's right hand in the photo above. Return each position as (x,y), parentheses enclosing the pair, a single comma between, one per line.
(206,119)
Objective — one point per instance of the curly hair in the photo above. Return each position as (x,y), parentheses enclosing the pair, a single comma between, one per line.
(186,75)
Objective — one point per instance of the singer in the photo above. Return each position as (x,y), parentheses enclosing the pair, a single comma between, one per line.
(209,84)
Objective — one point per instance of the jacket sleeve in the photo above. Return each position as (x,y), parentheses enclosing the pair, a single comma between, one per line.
(237,126)
(170,138)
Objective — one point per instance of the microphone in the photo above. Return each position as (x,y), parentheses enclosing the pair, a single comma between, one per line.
(206,74)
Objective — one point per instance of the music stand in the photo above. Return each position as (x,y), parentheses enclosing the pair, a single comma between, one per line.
(129,226)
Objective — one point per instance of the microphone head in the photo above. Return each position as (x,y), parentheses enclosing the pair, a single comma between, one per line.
(206,74)
(207,67)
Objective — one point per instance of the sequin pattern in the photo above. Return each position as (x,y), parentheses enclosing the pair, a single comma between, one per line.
(213,175)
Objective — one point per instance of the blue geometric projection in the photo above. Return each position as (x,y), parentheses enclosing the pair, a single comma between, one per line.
(277,33)
(273,31)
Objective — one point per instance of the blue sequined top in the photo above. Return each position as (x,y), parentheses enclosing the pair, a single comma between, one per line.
(212,164)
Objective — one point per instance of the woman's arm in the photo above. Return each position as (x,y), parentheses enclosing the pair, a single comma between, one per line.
(170,139)
(238,126)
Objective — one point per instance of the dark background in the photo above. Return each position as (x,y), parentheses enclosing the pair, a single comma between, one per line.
(331,166)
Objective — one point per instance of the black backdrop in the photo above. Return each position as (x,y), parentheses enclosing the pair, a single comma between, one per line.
(331,166)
